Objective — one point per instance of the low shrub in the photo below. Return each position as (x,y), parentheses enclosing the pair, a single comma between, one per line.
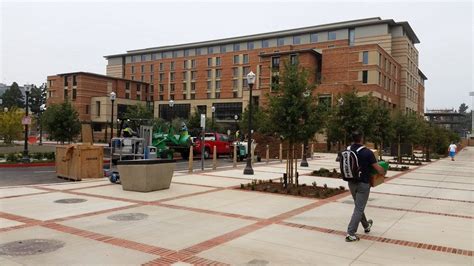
(12,157)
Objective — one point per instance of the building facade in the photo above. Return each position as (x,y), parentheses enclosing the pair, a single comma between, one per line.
(89,94)
(371,55)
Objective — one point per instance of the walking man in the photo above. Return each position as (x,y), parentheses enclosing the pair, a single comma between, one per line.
(452,150)
(360,185)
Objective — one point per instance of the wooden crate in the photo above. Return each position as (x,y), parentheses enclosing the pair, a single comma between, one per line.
(77,162)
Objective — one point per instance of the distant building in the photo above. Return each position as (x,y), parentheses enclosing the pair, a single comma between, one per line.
(448,118)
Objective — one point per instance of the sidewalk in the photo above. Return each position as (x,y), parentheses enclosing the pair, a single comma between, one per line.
(423,216)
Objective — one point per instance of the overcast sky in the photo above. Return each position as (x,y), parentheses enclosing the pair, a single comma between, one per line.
(46,38)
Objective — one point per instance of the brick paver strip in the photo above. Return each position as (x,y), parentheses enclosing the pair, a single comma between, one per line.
(23,195)
(384,239)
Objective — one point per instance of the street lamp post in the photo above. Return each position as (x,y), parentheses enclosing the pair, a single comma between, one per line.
(42,109)
(304,161)
(26,158)
(248,168)
(113,95)
(213,109)
(171,104)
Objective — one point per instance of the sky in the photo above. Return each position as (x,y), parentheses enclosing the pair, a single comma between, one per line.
(46,38)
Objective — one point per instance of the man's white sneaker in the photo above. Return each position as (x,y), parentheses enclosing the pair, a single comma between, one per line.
(367,229)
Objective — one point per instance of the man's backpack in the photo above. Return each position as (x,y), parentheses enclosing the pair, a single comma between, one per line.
(349,164)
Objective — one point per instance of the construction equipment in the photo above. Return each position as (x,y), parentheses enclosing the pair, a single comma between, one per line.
(169,143)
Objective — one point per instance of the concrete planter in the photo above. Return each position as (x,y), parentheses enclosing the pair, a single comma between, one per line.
(146,175)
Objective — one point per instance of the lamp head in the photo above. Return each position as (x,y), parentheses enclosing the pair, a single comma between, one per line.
(251,78)
(213,109)
(113,95)
(171,103)
(27,88)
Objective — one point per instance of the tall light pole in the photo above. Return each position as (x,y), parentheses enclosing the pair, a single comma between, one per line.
(113,95)
(248,168)
(171,104)
(26,158)
(42,109)
(213,109)
(304,161)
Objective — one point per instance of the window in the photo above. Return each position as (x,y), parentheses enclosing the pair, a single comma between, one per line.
(275,81)
(218,95)
(218,61)
(152,88)
(246,59)
(87,109)
(127,95)
(365,57)
(209,61)
(132,78)
(313,37)
(351,37)
(74,81)
(193,63)
(143,58)
(151,78)
(296,39)
(250,46)
(198,51)
(275,63)
(280,41)
(162,87)
(74,94)
(153,57)
(186,53)
(209,74)
(172,76)
(151,68)
(142,68)
(331,35)
(184,86)
(133,59)
(162,97)
(171,96)
(245,83)
(265,44)
(133,71)
(236,47)
(235,84)
(209,85)
(245,70)
(185,64)
(193,75)
(209,95)
(218,73)
(185,75)
(97,108)
(293,59)
(193,86)
(235,94)
(235,72)
(227,111)
(161,67)
(138,97)
(162,77)
(172,87)
(175,54)
(193,96)
(210,50)
(365,75)
(236,59)
(172,65)
(142,78)
(138,88)
(127,85)
(184,96)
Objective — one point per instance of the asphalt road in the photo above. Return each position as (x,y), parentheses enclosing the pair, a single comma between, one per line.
(47,175)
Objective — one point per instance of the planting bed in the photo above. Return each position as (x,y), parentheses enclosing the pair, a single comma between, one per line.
(302,190)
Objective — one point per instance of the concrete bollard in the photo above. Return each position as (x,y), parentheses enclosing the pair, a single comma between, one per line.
(302,151)
(312,151)
(267,154)
(281,153)
(214,159)
(235,156)
(191,159)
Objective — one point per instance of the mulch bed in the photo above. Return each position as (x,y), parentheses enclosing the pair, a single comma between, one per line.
(326,173)
(397,168)
(312,191)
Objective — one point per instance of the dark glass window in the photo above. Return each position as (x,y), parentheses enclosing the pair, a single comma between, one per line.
(250,46)
(280,41)
(179,110)
(296,40)
(226,111)
(275,63)
(236,47)
(313,37)
(331,35)
(265,44)
(365,75)
(365,57)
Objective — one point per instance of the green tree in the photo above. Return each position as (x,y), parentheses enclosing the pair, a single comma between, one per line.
(13,97)
(382,130)
(463,108)
(36,98)
(427,139)
(62,122)
(11,128)
(407,130)
(137,115)
(260,121)
(295,110)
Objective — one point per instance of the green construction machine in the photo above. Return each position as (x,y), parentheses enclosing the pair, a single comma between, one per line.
(169,143)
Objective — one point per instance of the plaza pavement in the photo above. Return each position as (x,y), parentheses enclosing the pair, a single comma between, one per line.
(423,216)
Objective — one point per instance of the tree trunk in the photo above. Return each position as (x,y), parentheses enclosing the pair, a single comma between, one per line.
(296,171)
(381,150)
(398,150)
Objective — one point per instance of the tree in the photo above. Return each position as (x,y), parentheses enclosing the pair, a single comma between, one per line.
(36,98)
(138,115)
(406,130)
(463,108)
(13,97)
(295,109)
(428,133)
(11,128)
(260,120)
(62,122)
(382,130)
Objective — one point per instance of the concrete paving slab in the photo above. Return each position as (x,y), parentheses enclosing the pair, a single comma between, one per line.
(404,190)
(444,206)
(163,227)
(4,223)
(386,254)
(286,246)
(18,191)
(438,230)
(238,173)
(418,175)
(197,179)
(390,201)
(337,216)
(43,206)
(452,194)
(117,192)
(415,182)
(261,205)
(76,251)
(80,184)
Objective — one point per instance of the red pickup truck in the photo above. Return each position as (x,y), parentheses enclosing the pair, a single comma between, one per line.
(221,141)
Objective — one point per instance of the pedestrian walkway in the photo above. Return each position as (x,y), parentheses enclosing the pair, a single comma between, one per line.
(422,216)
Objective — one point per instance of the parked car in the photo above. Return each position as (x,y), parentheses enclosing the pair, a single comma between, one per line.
(221,141)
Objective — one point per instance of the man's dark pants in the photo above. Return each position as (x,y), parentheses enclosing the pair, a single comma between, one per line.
(360,193)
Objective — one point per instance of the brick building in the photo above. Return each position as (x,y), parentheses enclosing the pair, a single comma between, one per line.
(371,55)
(89,94)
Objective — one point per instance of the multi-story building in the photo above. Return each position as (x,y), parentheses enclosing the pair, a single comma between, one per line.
(371,55)
(89,94)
